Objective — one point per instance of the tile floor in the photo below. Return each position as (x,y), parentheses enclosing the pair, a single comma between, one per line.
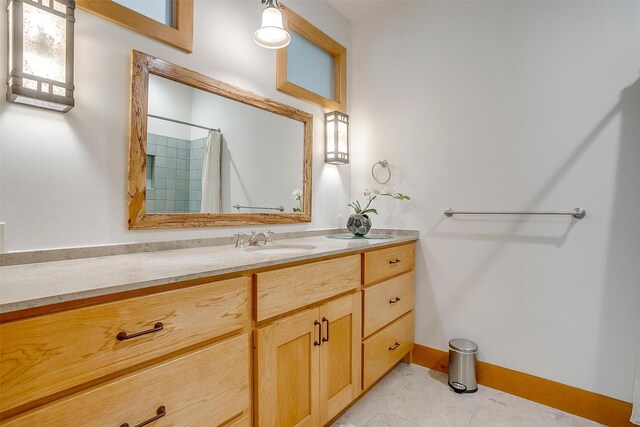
(413,396)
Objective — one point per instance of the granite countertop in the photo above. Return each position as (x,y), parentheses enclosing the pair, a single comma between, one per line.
(39,284)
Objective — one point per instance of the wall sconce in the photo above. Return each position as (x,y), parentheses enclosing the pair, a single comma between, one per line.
(41,53)
(272,34)
(336,138)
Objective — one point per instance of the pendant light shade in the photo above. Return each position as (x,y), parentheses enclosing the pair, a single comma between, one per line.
(272,34)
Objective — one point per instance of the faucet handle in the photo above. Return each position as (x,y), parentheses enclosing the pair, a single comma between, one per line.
(239,240)
(268,233)
(252,238)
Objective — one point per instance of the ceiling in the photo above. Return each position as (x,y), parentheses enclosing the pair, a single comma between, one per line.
(359,10)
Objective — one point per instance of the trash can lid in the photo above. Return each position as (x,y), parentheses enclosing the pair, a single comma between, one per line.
(462,345)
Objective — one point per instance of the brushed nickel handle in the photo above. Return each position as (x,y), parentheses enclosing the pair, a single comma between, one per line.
(324,319)
(160,412)
(395,261)
(123,335)
(395,346)
(316,343)
(395,300)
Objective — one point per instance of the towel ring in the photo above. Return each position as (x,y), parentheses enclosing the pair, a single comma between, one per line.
(385,165)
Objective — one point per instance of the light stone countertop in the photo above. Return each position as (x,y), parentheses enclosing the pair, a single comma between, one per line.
(35,285)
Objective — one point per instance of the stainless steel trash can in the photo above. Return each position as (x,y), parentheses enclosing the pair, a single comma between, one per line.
(462,365)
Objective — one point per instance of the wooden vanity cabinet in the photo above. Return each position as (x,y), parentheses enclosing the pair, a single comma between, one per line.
(321,332)
(311,365)
(307,365)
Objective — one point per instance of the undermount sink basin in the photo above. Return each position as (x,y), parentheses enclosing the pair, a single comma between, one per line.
(281,249)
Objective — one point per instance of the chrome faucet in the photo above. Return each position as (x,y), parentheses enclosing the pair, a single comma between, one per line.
(254,239)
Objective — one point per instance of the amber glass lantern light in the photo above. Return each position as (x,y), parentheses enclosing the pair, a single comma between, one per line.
(336,138)
(41,53)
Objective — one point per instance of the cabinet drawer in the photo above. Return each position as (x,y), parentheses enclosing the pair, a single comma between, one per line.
(386,348)
(206,387)
(44,355)
(386,301)
(383,263)
(286,289)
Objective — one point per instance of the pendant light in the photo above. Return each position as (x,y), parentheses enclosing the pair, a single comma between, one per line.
(271,33)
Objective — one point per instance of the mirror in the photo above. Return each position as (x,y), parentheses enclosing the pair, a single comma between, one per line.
(205,153)
(168,21)
(313,66)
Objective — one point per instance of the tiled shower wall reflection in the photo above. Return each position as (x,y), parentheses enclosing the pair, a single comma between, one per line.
(174,174)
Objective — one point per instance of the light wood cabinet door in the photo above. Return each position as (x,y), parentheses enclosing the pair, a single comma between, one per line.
(287,371)
(339,355)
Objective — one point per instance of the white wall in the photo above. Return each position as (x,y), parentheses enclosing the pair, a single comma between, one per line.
(512,105)
(173,100)
(63,176)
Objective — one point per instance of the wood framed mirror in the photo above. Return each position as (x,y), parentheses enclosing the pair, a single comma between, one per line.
(204,153)
(313,66)
(168,21)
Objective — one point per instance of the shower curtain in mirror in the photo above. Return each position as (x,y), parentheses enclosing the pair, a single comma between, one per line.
(635,416)
(211,186)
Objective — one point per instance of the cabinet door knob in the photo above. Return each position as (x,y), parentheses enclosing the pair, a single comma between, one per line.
(395,346)
(160,412)
(324,319)
(395,300)
(123,335)
(395,261)
(319,341)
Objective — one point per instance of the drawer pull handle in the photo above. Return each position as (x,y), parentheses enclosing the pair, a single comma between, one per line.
(395,300)
(160,412)
(324,319)
(316,323)
(395,261)
(123,335)
(395,346)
